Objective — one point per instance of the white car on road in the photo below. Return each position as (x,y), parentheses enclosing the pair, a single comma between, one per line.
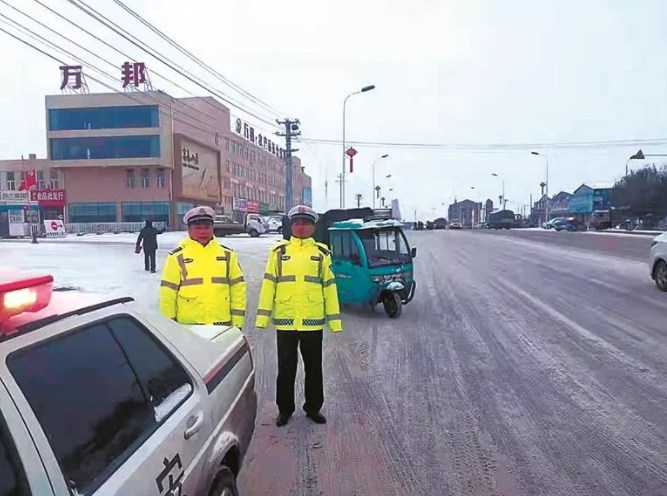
(111,399)
(658,261)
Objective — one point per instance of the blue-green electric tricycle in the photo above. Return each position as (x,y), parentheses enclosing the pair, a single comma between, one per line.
(372,261)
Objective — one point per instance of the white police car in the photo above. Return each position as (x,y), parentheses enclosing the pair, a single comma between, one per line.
(108,398)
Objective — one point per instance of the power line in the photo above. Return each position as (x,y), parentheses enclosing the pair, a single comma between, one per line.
(84,7)
(128,95)
(33,35)
(498,146)
(189,54)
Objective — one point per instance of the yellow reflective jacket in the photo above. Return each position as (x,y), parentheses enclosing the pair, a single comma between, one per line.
(203,285)
(299,288)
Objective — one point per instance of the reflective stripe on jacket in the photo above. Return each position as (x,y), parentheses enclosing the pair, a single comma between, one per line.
(299,288)
(203,285)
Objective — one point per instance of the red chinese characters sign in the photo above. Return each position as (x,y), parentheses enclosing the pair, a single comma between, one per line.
(48,197)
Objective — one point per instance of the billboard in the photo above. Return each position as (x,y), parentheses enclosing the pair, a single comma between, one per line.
(199,172)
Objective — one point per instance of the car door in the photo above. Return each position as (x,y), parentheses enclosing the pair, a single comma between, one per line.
(116,412)
(347,266)
(21,470)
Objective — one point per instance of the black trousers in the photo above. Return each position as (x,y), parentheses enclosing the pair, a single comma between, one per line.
(310,343)
(149,260)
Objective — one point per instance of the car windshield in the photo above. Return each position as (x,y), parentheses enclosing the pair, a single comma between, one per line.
(384,246)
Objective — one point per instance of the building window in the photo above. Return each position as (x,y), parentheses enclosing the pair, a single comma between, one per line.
(54,179)
(160,178)
(129,179)
(105,147)
(41,183)
(11,181)
(136,116)
(92,212)
(145,179)
(227,183)
(226,143)
(227,166)
(142,211)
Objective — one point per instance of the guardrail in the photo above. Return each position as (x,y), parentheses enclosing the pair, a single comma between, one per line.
(108,227)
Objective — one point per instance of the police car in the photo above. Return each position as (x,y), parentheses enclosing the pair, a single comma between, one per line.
(102,398)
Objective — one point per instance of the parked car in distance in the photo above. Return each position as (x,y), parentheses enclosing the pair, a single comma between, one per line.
(658,261)
(110,398)
(569,224)
(274,223)
(455,225)
(550,223)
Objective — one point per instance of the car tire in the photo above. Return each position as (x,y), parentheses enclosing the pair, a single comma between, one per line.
(224,483)
(660,275)
(254,233)
(393,305)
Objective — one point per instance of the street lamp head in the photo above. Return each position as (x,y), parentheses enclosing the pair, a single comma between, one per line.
(367,88)
(385,155)
(534,153)
(494,174)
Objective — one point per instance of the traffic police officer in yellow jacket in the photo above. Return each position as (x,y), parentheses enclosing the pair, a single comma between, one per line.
(202,282)
(300,289)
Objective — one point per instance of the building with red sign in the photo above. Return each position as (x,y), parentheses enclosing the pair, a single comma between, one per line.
(128,157)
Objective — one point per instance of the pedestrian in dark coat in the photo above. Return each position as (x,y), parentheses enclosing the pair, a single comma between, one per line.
(148,236)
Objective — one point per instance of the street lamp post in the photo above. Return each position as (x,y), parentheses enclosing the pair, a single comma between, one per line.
(342,178)
(546,182)
(503,202)
(376,161)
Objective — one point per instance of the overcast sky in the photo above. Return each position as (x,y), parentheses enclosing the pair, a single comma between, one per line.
(446,71)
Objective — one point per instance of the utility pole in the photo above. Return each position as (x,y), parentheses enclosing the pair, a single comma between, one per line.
(358,197)
(292,131)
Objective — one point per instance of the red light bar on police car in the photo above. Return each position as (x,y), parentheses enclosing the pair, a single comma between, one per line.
(25,295)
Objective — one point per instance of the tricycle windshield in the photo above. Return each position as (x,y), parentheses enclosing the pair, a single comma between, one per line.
(385,246)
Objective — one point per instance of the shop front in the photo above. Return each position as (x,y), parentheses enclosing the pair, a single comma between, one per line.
(51,203)
(16,214)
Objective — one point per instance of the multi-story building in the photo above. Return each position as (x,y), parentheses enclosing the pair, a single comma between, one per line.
(127,157)
(468,212)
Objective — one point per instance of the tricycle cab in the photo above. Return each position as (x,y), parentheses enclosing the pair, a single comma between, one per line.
(372,261)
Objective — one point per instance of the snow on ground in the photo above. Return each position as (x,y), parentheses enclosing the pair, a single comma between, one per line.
(107,265)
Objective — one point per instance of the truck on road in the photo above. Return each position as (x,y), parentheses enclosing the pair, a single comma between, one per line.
(253,224)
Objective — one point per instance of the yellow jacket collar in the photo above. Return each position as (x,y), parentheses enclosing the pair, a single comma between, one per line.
(192,244)
(302,243)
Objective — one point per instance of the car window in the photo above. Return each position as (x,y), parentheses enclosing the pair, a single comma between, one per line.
(98,393)
(11,482)
(161,376)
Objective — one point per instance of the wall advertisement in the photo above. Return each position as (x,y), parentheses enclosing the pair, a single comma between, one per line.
(199,177)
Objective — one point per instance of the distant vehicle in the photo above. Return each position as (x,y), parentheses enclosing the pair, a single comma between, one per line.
(569,224)
(275,223)
(109,398)
(658,261)
(253,224)
(550,223)
(455,224)
(440,223)
(503,219)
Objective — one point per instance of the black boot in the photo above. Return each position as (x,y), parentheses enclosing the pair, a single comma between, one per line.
(282,419)
(318,418)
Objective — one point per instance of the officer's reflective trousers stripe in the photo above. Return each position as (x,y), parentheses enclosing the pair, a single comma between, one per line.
(169,285)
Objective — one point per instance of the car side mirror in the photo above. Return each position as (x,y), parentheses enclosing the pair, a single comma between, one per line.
(413,252)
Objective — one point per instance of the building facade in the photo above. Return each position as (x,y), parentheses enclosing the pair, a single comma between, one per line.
(468,212)
(120,157)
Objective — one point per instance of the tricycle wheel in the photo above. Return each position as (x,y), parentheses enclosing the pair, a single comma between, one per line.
(392,304)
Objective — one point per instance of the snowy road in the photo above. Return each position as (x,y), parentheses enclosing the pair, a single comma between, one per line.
(522,367)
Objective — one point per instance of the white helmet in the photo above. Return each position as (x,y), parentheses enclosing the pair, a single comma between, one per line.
(302,212)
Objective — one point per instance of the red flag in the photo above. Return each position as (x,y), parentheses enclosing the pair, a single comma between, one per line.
(29,181)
